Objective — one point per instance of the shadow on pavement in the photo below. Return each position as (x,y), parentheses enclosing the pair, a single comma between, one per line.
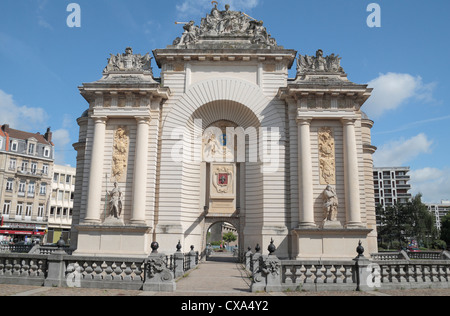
(222,257)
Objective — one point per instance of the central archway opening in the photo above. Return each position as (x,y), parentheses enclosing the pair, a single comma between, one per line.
(222,240)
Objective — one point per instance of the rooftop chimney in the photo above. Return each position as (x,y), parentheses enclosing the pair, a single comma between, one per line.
(48,135)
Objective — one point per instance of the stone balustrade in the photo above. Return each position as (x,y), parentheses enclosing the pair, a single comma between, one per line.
(57,268)
(395,270)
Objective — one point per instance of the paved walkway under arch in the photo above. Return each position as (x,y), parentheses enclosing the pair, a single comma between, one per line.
(219,275)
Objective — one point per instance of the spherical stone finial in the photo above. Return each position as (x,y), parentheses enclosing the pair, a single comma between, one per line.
(154,247)
(179,246)
(271,247)
(257,248)
(360,249)
(61,243)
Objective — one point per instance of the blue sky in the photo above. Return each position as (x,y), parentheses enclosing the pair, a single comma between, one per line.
(406,60)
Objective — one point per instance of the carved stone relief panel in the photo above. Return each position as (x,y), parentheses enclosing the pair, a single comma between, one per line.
(327,161)
(120,153)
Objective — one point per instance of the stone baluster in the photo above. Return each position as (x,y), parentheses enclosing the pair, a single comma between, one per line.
(329,277)
(339,276)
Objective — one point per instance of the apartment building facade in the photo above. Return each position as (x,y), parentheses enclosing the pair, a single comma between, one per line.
(439,211)
(391,186)
(61,204)
(26,167)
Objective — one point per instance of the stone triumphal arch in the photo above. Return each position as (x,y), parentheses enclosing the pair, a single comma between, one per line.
(224,135)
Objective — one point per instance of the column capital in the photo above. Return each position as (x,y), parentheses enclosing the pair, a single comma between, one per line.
(101,119)
(143,119)
(348,120)
(304,120)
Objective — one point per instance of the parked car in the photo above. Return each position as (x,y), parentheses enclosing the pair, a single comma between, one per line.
(413,249)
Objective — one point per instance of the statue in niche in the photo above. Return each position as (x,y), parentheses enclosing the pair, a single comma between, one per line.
(120,153)
(115,201)
(213,148)
(330,204)
(327,156)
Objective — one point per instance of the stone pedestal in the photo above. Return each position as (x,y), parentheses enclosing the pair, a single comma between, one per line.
(113,238)
(330,242)
(56,270)
(159,278)
(271,267)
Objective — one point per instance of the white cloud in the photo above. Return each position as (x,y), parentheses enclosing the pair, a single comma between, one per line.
(401,151)
(433,183)
(192,8)
(392,90)
(21,117)
(33,120)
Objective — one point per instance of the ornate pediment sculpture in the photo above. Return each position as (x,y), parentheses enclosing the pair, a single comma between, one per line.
(129,62)
(319,64)
(226,24)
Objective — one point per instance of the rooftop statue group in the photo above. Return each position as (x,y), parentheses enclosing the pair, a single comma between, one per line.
(220,23)
(319,63)
(129,62)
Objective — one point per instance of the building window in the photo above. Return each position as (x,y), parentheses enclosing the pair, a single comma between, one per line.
(45,169)
(29,209)
(43,189)
(55,177)
(24,166)
(68,179)
(22,187)
(14,145)
(60,196)
(19,209)
(6,207)
(1,143)
(46,152)
(52,210)
(40,211)
(33,167)
(12,164)
(9,185)
(31,188)
(31,148)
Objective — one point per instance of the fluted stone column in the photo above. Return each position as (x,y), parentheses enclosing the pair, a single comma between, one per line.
(96,170)
(306,202)
(353,205)
(140,171)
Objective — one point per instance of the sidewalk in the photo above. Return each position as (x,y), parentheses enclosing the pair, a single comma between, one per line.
(220,275)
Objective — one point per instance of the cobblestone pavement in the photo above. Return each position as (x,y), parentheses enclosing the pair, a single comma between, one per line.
(218,277)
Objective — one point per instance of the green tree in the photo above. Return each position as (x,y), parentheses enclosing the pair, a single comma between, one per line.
(229,237)
(445,228)
(401,222)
